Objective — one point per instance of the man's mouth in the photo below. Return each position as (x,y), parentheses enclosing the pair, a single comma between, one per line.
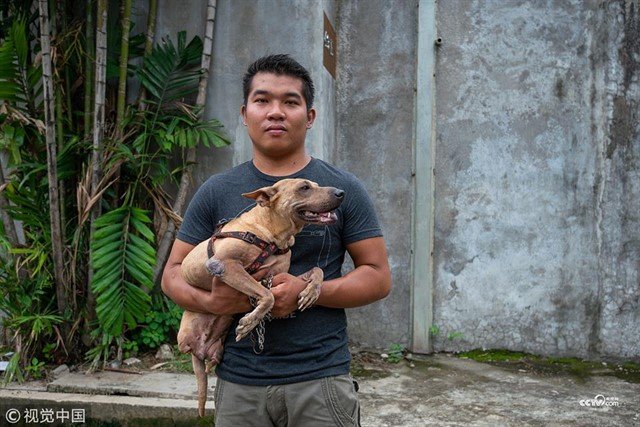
(319,217)
(276,130)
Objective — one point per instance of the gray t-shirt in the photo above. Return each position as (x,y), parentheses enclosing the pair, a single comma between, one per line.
(307,345)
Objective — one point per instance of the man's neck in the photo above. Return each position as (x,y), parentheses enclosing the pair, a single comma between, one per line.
(283,166)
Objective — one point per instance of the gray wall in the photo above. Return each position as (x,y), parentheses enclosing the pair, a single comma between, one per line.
(537,233)
(375,102)
(537,227)
(244,31)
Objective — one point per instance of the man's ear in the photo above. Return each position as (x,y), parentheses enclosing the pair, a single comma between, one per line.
(311,117)
(262,196)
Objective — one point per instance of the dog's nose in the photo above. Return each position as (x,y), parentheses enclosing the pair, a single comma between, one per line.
(339,194)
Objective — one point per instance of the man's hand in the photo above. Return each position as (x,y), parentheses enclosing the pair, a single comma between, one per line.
(285,289)
(223,299)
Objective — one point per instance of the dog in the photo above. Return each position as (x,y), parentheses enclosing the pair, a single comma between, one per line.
(258,243)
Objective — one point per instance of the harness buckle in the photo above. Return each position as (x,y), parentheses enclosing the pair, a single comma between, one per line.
(249,237)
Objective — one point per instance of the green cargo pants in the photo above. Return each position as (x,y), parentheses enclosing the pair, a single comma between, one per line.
(331,401)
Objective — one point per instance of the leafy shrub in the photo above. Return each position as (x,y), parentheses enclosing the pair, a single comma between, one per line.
(160,324)
(396,353)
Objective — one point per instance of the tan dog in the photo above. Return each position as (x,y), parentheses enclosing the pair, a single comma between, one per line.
(280,213)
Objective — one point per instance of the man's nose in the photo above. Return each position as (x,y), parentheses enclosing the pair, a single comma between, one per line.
(275,111)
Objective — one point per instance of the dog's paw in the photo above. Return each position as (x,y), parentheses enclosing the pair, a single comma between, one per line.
(246,325)
(308,296)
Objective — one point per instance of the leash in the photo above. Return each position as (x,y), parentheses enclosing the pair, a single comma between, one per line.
(260,329)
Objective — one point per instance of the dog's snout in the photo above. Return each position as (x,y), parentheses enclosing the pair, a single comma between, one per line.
(338,193)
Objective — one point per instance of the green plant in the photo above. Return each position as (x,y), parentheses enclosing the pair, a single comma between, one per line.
(122,252)
(182,362)
(160,324)
(110,260)
(35,369)
(48,350)
(455,335)
(435,331)
(130,348)
(396,353)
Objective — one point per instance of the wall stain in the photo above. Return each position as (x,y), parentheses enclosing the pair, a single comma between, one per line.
(625,111)
(559,89)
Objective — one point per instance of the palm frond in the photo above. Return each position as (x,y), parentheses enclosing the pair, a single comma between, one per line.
(123,258)
(171,74)
(17,78)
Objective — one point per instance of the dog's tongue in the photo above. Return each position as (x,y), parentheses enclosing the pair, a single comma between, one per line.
(327,216)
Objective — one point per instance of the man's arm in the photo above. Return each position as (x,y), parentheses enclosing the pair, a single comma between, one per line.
(370,281)
(222,299)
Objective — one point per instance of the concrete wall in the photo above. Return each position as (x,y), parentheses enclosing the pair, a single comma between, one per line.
(537,234)
(244,31)
(375,102)
(537,227)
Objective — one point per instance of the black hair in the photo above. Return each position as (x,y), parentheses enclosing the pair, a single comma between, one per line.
(280,64)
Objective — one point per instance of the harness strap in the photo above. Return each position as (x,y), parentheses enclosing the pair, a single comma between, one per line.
(267,249)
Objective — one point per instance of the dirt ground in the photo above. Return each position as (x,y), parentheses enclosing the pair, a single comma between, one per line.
(502,389)
(444,390)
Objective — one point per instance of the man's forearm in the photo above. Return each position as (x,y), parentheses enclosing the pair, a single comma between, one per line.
(362,286)
(186,296)
(221,300)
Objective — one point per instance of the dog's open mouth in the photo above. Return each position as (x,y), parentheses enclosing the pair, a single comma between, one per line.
(319,217)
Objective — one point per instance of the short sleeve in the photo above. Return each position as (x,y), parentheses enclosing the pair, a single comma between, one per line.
(360,220)
(199,220)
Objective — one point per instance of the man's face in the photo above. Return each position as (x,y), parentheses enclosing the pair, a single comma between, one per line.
(276,114)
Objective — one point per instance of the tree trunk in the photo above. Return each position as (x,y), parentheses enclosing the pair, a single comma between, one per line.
(98,131)
(148,45)
(185,181)
(7,221)
(88,71)
(124,60)
(52,157)
(56,19)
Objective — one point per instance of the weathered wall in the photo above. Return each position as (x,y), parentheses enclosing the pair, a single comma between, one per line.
(375,99)
(537,234)
(246,30)
(537,228)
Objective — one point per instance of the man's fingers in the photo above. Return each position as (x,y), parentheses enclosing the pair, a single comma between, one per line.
(279,279)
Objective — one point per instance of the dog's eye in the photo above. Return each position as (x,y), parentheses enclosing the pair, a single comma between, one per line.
(305,188)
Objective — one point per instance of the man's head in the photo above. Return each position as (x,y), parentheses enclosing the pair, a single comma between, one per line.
(277,109)
(280,64)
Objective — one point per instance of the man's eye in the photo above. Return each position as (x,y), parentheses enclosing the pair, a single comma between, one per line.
(260,100)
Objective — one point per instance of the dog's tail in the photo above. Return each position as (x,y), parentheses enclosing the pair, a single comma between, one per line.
(201,380)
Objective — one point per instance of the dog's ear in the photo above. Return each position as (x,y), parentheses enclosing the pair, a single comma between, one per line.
(262,196)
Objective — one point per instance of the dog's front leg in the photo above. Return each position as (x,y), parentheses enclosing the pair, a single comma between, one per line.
(233,274)
(310,294)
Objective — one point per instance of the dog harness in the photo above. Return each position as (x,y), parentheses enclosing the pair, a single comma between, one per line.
(267,249)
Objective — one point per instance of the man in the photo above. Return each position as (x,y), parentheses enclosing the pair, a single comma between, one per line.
(301,377)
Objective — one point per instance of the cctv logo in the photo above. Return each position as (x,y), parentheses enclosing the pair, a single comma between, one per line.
(600,400)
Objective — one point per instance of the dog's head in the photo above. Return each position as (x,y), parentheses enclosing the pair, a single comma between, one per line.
(301,200)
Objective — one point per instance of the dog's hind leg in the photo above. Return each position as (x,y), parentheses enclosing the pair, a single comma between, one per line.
(310,294)
(233,274)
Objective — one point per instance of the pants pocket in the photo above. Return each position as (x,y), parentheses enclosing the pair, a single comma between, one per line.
(217,396)
(342,400)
